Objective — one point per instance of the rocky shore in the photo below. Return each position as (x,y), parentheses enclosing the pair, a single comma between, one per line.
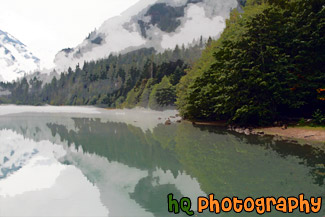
(279,129)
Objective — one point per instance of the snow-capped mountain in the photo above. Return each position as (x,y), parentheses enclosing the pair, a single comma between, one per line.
(15,58)
(160,24)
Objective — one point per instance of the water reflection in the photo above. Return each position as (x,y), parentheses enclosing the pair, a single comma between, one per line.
(35,183)
(129,170)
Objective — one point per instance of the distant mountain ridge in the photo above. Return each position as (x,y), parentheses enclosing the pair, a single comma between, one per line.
(15,58)
(160,24)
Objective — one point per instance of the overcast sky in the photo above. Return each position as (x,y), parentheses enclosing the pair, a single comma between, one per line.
(47,26)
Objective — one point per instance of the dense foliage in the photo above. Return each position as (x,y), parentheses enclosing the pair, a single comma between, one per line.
(272,69)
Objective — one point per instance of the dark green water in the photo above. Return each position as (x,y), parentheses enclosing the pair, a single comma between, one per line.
(128,170)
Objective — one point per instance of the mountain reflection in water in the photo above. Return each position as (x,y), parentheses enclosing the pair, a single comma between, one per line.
(61,165)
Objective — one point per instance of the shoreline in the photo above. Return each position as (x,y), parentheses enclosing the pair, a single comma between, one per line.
(298,133)
(307,134)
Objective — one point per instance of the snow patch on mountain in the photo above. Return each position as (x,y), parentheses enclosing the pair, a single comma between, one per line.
(15,58)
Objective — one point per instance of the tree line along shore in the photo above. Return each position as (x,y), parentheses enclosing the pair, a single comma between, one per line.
(267,66)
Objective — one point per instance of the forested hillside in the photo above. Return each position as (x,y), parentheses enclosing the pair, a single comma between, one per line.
(267,65)
(139,78)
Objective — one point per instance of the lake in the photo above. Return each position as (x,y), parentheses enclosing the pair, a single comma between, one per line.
(84,161)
